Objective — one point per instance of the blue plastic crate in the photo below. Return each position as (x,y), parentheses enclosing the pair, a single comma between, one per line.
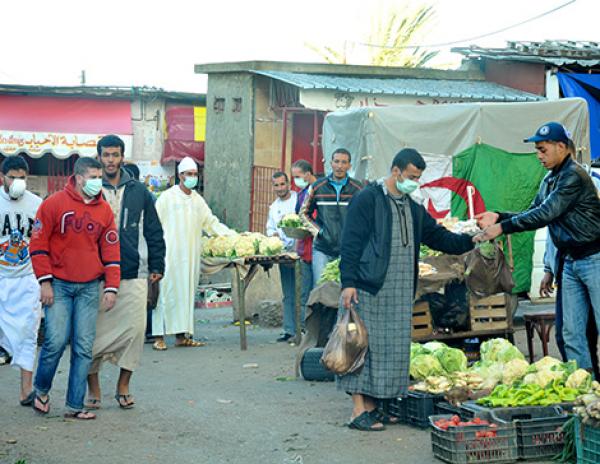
(587,443)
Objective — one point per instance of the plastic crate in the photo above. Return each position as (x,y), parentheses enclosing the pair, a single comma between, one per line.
(445,408)
(460,445)
(587,443)
(397,408)
(467,410)
(539,429)
(419,406)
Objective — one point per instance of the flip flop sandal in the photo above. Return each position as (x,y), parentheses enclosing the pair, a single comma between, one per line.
(80,415)
(190,343)
(384,418)
(125,401)
(28,401)
(365,423)
(93,403)
(43,402)
(159,345)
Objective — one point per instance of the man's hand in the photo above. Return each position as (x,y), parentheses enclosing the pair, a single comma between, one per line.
(47,294)
(489,233)
(108,300)
(349,296)
(546,289)
(485,220)
(154,277)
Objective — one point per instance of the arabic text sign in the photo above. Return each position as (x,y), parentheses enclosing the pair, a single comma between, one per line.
(35,144)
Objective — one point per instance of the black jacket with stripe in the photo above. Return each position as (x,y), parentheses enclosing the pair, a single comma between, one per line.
(140,231)
(331,213)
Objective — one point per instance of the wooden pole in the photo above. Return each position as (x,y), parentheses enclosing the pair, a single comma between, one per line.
(241,308)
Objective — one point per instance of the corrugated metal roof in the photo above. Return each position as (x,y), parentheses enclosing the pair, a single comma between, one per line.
(435,88)
(557,52)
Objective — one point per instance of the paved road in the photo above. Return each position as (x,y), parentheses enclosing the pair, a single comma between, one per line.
(202,406)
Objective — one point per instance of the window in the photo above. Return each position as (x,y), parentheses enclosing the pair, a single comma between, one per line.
(237,105)
(219,105)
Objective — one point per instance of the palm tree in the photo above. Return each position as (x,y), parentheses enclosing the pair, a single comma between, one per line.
(390,40)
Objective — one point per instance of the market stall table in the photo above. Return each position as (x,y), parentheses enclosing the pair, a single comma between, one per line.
(245,269)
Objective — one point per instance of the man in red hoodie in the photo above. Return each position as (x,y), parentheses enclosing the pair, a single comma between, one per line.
(74,245)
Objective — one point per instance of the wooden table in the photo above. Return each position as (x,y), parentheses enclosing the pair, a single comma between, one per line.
(266,262)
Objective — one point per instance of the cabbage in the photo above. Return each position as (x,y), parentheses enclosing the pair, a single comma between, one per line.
(425,365)
(499,350)
(451,359)
(432,347)
(580,379)
(514,370)
(417,349)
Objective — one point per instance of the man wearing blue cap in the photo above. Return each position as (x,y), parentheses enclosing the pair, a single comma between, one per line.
(568,203)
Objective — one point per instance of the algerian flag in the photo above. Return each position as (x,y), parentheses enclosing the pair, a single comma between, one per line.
(503,181)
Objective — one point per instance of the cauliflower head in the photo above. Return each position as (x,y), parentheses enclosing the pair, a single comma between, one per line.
(270,246)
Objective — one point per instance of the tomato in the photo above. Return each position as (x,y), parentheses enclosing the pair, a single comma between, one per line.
(477,420)
(493,426)
(455,419)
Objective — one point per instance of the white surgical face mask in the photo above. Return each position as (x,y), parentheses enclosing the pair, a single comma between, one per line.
(92,187)
(17,188)
(300,182)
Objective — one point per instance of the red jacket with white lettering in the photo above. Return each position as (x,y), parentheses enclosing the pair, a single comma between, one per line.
(76,241)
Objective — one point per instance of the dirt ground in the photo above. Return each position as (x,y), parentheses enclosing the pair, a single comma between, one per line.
(201,405)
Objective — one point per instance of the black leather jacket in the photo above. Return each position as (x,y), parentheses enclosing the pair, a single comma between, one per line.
(568,204)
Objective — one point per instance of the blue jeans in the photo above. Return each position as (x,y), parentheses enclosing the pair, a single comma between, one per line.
(72,316)
(580,291)
(319,261)
(307,286)
(288,286)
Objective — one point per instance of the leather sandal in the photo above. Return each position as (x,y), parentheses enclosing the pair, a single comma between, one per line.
(366,423)
(125,401)
(189,343)
(159,345)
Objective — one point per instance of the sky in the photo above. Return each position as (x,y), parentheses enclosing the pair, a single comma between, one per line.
(157,43)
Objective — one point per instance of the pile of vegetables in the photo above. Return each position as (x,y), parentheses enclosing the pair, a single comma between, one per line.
(242,245)
(291,220)
(588,406)
(502,374)
(455,421)
(331,272)
(438,366)
(544,383)
(529,395)
(425,252)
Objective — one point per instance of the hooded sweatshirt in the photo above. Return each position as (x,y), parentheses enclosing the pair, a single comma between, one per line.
(76,241)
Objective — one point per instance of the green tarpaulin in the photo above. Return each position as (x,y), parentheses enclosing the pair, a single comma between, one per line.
(507,182)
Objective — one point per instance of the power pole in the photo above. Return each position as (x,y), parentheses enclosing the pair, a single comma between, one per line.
(83,77)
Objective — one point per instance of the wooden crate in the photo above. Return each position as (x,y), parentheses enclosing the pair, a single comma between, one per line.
(421,320)
(488,313)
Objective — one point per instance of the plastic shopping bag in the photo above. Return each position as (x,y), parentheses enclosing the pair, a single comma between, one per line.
(347,346)
(487,271)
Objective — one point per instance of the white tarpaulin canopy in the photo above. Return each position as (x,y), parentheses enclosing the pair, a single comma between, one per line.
(375,135)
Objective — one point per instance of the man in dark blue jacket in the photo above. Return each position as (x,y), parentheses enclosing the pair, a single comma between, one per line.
(329,198)
(568,204)
(120,332)
(379,271)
